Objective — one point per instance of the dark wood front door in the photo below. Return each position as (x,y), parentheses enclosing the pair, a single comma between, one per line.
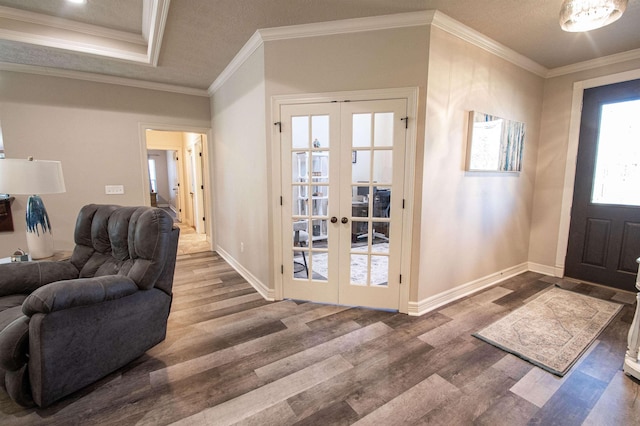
(604,236)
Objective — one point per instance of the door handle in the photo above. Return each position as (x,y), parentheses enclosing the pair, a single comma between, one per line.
(334,219)
(344,220)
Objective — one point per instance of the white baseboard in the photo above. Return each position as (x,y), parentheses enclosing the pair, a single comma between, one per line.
(441,299)
(552,271)
(260,287)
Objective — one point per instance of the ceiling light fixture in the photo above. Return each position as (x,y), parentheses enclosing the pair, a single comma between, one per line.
(77,1)
(587,15)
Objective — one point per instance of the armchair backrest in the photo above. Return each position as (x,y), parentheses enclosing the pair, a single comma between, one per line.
(138,242)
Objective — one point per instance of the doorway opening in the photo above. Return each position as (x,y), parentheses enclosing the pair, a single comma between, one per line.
(177,182)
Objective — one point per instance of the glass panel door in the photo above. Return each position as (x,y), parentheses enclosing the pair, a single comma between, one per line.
(343,183)
(373,138)
(308,151)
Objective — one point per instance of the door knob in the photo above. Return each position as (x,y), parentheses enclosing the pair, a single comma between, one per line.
(344,220)
(334,219)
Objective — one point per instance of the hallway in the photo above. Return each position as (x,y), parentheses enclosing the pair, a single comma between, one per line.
(190,241)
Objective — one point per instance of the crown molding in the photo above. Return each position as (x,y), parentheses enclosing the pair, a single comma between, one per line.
(44,30)
(317,29)
(100,78)
(478,39)
(375,23)
(595,63)
(55,23)
(346,26)
(254,43)
(154,20)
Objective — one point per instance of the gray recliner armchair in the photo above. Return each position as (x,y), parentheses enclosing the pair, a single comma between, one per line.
(66,324)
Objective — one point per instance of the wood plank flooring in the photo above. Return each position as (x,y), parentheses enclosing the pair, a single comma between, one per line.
(232,358)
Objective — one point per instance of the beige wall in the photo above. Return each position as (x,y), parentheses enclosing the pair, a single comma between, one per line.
(94,129)
(473,224)
(546,237)
(240,168)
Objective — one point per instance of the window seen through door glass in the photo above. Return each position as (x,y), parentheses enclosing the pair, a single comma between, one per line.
(617,171)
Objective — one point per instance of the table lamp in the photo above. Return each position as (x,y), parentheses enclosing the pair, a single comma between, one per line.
(30,177)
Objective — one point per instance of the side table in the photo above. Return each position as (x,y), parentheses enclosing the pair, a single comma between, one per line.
(57,255)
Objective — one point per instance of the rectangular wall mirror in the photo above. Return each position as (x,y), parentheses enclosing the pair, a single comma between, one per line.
(494,144)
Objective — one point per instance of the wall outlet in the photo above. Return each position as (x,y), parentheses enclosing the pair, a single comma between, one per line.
(113,189)
(241,247)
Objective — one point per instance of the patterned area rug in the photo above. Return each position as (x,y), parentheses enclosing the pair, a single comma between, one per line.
(553,330)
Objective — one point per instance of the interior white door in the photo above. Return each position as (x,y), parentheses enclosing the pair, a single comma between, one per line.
(342,228)
(311,178)
(372,192)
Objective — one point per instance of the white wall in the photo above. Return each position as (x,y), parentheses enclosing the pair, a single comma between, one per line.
(94,129)
(240,168)
(473,224)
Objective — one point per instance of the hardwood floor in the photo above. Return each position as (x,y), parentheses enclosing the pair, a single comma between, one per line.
(232,358)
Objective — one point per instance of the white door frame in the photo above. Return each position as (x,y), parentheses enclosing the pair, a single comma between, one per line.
(411,95)
(572,154)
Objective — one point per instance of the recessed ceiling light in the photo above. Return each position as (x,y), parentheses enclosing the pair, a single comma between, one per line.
(77,1)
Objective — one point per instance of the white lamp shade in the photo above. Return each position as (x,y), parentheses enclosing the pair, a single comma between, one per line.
(29,177)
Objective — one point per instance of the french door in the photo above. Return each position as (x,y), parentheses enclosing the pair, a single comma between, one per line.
(604,235)
(343,190)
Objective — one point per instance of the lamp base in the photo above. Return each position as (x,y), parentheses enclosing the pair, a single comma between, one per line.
(39,237)
(40,245)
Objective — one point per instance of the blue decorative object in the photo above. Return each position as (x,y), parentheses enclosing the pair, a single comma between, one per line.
(37,215)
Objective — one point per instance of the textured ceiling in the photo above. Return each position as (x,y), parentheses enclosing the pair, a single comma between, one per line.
(202,36)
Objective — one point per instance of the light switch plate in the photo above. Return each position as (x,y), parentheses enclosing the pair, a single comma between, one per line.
(113,189)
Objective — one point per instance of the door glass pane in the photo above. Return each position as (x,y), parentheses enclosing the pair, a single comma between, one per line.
(361,130)
(361,168)
(383,166)
(300,233)
(300,132)
(320,197)
(320,265)
(360,235)
(300,265)
(380,243)
(299,201)
(380,271)
(383,129)
(360,204)
(617,171)
(359,269)
(382,202)
(299,168)
(320,166)
(320,131)
(319,233)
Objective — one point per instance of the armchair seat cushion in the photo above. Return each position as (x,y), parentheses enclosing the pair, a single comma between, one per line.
(10,309)
(11,301)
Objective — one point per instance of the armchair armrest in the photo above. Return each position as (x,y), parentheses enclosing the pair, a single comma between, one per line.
(25,277)
(78,292)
